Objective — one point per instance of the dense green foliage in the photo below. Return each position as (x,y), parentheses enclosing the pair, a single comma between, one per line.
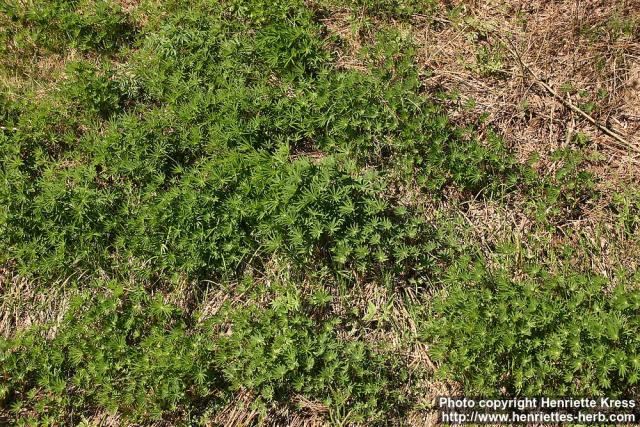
(138,355)
(215,166)
(128,353)
(547,334)
(218,145)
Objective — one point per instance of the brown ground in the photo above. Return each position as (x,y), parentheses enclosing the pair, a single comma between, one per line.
(588,52)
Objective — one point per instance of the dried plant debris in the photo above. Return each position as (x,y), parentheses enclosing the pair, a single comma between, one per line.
(314,212)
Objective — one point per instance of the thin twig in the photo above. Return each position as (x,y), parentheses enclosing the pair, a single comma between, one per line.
(569,104)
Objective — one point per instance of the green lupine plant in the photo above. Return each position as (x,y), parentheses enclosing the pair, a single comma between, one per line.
(127,352)
(183,149)
(545,334)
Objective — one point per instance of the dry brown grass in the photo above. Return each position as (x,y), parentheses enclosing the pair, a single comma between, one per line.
(570,45)
(586,51)
(340,22)
(129,5)
(240,413)
(23,304)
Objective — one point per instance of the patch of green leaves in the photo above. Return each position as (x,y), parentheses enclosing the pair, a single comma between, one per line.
(176,163)
(552,334)
(82,24)
(123,351)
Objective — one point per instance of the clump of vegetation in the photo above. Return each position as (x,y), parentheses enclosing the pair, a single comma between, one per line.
(124,352)
(285,350)
(544,334)
(58,25)
(137,355)
(197,147)
(210,170)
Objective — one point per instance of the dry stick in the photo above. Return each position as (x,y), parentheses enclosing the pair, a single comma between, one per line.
(593,121)
(568,103)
